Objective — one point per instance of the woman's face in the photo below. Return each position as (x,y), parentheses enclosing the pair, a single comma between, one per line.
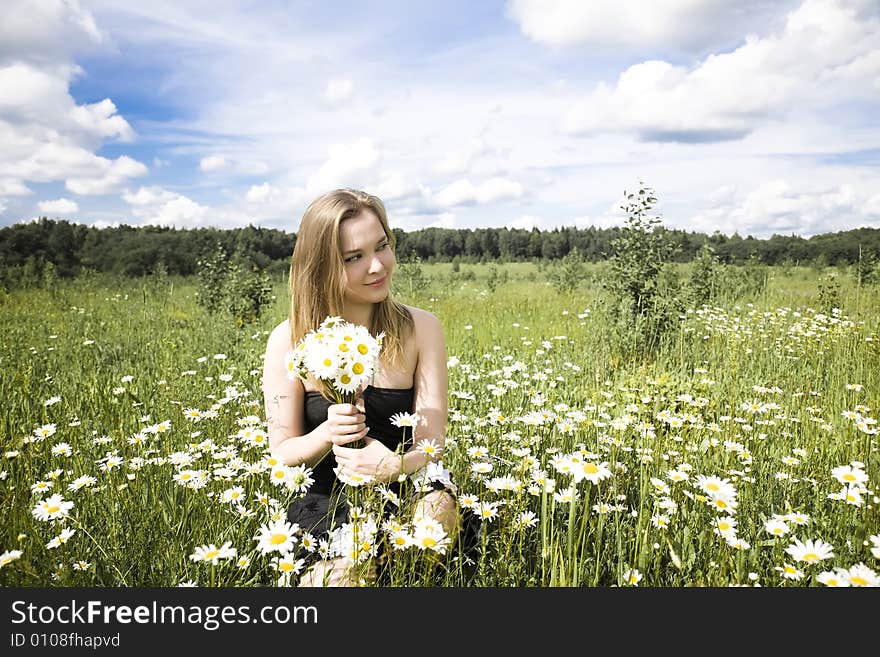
(367,257)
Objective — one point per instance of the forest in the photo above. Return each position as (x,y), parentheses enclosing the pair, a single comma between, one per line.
(136,251)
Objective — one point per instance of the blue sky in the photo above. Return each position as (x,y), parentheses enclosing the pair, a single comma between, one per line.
(756,116)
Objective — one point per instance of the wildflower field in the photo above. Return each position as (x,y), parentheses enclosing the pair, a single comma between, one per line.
(741,451)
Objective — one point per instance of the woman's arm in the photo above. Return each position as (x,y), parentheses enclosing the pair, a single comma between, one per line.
(284,404)
(431,382)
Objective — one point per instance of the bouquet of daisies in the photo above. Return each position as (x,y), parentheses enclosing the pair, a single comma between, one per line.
(340,355)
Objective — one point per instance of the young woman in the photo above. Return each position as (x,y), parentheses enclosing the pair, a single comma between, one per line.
(342,266)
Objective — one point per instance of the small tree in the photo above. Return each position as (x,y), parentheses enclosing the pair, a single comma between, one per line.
(570,272)
(703,282)
(866,269)
(409,276)
(639,253)
(248,291)
(213,272)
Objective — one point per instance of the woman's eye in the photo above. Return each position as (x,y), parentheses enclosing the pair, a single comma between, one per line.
(382,246)
(352,258)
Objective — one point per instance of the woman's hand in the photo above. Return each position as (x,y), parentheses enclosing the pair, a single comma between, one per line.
(373,459)
(345,423)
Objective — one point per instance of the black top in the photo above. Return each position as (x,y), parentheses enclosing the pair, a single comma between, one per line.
(380,404)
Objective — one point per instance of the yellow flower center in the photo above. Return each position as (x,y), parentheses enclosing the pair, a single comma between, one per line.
(53,509)
(357,368)
(849,476)
(858,581)
(345,379)
(812,557)
(590,468)
(211,554)
(285,566)
(278,539)
(362,349)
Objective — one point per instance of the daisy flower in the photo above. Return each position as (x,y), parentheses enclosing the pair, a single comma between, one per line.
(592,472)
(54,508)
(839,577)
(41,486)
(660,521)
(400,539)
(278,536)
(401,420)
(9,556)
(861,575)
(725,526)
(632,577)
(429,447)
(428,534)
(288,567)
(810,551)
(849,475)
(790,572)
(62,538)
(82,482)
(299,478)
(526,519)
(776,526)
(716,486)
(212,554)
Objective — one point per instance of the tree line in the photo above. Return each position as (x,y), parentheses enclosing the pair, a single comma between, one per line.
(137,251)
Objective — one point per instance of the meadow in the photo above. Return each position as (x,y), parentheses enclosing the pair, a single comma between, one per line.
(742,451)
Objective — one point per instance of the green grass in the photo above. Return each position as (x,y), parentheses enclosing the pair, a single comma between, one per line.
(765,392)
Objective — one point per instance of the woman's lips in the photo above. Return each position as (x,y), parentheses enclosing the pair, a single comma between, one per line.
(377,283)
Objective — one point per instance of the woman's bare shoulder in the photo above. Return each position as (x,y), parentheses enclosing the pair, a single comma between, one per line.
(280,336)
(423,318)
(425,322)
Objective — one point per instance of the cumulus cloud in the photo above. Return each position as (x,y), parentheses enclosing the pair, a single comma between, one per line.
(161,207)
(827,50)
(61,206)
(687,25)
(780,206)
(338,91)
(347,165)
(464,192)
(212,163)
(46,135)
(47,30)
(108,177)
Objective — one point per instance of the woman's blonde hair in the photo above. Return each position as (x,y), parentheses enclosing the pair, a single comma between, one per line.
(317,271)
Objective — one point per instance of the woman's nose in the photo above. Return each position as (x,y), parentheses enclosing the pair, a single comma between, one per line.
(376,264)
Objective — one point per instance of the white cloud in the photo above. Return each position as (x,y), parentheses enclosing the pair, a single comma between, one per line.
(111,175)
(158,206)
(339,91)
(48,29)
(12,187)
(688,25)
(464,192)
(347,165)
(46,135)
(826,53)
(212,163)
(59,206)
(779,206)
(148,196)
(461,160)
